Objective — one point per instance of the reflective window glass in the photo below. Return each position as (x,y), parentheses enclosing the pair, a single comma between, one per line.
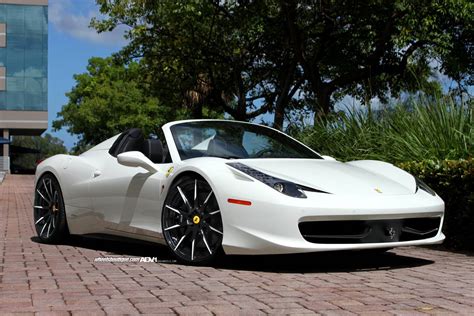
(2,13)
(15,17)
(16,41)
(15,62)
(15,100)
(34,17)
(34,85)
(33,41)
(34,63)
(3,105)
(33,101)
(25,57)
(15,84)
(3,54)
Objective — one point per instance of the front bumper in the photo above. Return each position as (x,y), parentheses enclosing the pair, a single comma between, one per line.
(271,225)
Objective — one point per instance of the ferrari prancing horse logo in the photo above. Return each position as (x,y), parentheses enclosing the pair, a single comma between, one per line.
(391,233)
(378,190)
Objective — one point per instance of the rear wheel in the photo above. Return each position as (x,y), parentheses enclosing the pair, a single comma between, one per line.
(192,222)
(49,211)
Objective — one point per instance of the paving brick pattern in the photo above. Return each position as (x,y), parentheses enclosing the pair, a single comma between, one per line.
(64,279)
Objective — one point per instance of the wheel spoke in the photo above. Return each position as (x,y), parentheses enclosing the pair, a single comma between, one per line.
(205,242)
(181,240)
(195,193)
(192,249)
(49,227)
(41,207)
(173,227)
(51,188)
(207,200)
(42,218)
(46,190)
(52,220)
(214,229)
(55,197)
(174,210)
(44,226)
(184,198)
(215,212)
(42,196)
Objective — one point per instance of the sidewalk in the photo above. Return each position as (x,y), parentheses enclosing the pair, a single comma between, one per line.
(69,279)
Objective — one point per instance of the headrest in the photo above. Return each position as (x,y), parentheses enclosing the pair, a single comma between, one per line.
(153,149)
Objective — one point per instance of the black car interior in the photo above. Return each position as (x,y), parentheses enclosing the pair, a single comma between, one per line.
(134,140)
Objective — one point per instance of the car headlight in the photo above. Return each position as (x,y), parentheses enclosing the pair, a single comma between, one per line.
(282,186)
(421,185)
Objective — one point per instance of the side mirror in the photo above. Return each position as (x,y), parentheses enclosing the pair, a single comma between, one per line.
(329,158)
(136,159)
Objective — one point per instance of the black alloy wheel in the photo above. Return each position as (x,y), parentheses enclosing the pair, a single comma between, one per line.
(48,210)
(192,222)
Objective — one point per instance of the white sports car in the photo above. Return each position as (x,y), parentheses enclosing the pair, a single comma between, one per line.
(211,185)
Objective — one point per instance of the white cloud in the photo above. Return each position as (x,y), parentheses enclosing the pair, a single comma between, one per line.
(73,18)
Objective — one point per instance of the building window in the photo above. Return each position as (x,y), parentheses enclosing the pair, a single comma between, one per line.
(24,57)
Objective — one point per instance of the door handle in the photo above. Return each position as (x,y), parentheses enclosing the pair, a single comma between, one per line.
(97,173)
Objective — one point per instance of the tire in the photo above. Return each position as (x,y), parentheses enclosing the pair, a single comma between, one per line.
(49,213)
(191,222)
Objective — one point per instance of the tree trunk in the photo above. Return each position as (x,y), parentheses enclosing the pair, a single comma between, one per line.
(197,110)
(279,117)
(324,104)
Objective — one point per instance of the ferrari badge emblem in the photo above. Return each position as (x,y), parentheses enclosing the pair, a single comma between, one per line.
(391,232)
(170,170)
(196,219)
(378,190)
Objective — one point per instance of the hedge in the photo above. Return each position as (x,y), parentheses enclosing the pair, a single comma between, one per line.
(453,180)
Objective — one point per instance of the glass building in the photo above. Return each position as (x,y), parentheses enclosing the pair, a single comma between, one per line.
(23,70)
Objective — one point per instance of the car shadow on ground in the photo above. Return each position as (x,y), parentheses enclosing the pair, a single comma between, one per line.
(322,262)
(118,246)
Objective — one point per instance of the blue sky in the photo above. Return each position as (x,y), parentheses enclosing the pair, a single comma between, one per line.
(71,44)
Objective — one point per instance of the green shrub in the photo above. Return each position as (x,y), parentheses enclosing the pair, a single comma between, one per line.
(415,130)
(453,180)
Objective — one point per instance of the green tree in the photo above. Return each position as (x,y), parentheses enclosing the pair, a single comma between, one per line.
(249,57)
(108,99)
(28,150)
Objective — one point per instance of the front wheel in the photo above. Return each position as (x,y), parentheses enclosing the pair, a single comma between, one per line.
(192,222)
(48,211)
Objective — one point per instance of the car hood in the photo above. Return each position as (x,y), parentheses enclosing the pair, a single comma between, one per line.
(336,177)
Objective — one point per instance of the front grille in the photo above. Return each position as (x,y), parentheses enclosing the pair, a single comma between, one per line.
(369,231)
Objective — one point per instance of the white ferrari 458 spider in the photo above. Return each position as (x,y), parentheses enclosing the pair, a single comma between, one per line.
(212,185)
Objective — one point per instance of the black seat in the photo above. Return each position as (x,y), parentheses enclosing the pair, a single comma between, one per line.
(153,149)
(130,140)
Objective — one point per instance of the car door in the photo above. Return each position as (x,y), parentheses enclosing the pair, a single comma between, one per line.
(127,197)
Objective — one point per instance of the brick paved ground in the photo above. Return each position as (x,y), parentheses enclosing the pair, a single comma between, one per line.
(64,279)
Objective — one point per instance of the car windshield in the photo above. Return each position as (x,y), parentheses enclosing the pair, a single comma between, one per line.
(234,140)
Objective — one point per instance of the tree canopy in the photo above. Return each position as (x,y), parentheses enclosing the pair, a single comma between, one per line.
(108,99)
(251,57)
